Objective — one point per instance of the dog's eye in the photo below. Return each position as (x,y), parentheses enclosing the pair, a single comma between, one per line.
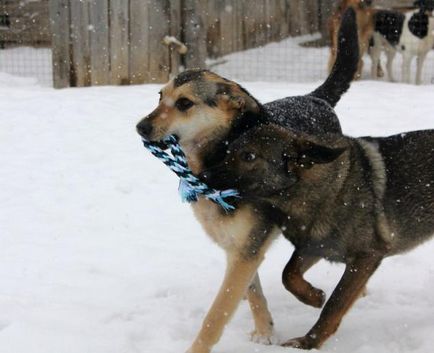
(248,156)
(183,104)
(161,96)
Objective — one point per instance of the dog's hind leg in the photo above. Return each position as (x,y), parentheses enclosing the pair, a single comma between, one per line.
(406,64)
(292,279)
(420,60)
(354,279)
(390,53)
(375,53)
(261,315)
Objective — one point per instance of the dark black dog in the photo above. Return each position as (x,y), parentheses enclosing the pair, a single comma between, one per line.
(344,199)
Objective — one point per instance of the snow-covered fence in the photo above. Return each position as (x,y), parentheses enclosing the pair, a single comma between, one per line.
(122,41)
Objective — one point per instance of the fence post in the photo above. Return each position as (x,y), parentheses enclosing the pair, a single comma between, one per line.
(80,44)
(194,32)
(59,19)
(119,36)
(99,42)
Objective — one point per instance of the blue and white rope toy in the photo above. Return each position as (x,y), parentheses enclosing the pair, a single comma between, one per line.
(190,187)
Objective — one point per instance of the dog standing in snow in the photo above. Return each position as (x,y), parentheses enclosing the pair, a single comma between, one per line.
(410,33)
(206,112)
(349,200)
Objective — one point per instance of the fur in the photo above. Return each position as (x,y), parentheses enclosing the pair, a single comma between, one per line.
(410,33)
(350,200)
(208,112)
(365,26)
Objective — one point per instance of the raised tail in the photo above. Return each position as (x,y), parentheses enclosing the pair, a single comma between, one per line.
(346,63)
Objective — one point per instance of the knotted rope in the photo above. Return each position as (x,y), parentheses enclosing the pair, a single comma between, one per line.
(190,187)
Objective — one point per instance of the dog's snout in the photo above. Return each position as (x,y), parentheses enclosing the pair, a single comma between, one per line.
(144,128)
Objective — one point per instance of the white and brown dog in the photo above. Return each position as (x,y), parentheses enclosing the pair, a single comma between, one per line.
(410,33)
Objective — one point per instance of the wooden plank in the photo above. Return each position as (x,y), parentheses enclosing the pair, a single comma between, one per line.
(238,25)
(175,31)
(159,27)
(194,33)
(226,27)
(249,26)
(80,65)
(119,37)
(99,42)
(311,11)
(59,15)
(28,23)
(260,25)
(213,38)
(139,42)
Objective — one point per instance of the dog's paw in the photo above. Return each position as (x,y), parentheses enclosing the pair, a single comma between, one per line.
(315,297)
(266,338)
(305,342)
(318,298)
(198,348)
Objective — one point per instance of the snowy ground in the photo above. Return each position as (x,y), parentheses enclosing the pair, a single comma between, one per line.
(99,255)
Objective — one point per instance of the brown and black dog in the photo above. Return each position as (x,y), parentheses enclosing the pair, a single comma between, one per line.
(365,29)
(207,112)
(350,200)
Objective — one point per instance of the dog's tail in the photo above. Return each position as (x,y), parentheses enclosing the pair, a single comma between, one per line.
(346,63)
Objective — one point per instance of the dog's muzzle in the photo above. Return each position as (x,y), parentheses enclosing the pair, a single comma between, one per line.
(144,128)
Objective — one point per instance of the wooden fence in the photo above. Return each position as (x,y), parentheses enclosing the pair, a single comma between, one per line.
(24,23)
(98,42)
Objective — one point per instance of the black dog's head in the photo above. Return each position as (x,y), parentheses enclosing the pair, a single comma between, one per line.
(269,161)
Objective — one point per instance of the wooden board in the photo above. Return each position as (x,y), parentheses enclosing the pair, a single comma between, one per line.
(59,13)
(99,42)
(139,52)
(80,40)
(119,37)
(28,23)
(159,27)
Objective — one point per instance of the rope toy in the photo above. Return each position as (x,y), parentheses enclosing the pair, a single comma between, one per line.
(190,186)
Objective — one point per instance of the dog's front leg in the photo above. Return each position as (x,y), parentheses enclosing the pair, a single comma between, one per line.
(354,279)
(261,315)
(292,279)
(240,271)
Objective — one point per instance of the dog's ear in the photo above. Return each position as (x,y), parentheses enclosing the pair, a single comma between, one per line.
(237,97)
(310,153)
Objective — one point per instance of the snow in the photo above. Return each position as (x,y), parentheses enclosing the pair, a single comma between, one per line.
(99,255)
(287,61)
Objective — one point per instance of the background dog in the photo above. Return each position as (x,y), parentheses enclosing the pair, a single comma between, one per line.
(348,200)
(207,112)
(410,33)
(365,27)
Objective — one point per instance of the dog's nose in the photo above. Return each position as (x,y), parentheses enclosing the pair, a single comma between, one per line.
(144,128)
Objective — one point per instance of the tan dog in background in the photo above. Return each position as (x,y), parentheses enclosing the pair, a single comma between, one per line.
(365,29)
